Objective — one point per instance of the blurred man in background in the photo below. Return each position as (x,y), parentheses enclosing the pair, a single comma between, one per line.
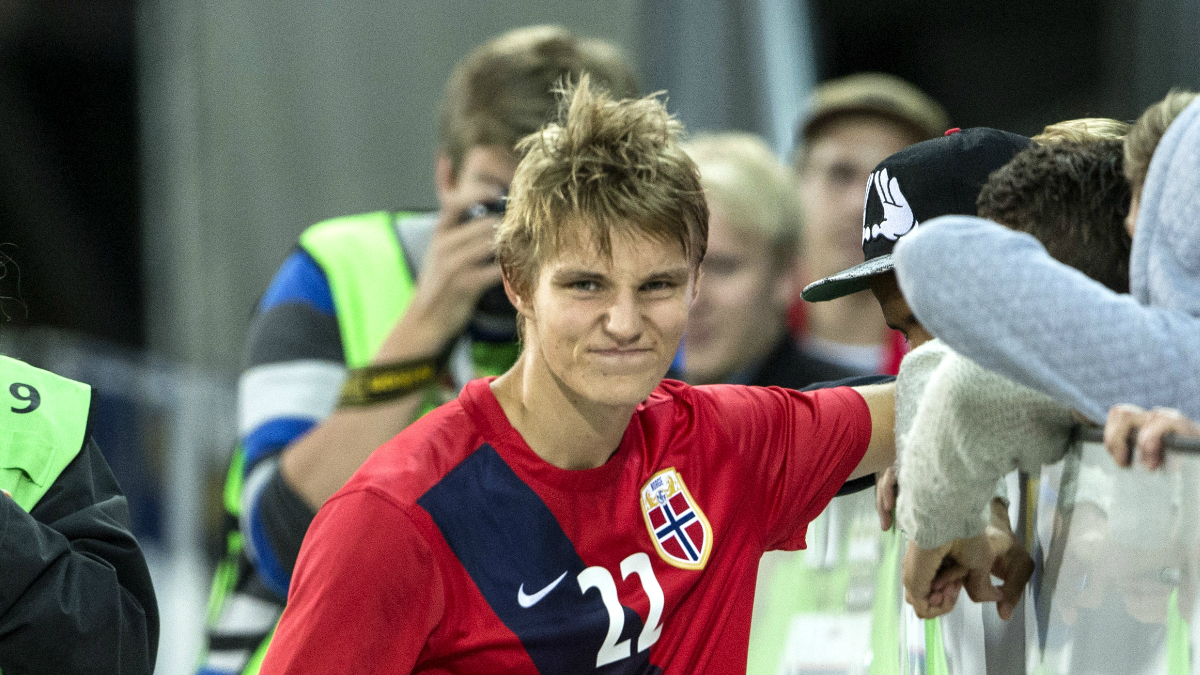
(377,318)
(852,124)
(737,333)
(737,330)
(933,178)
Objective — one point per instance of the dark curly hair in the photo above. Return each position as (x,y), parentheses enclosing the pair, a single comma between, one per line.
(1072,197)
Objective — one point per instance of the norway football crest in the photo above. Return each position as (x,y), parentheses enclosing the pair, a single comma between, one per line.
(677,526)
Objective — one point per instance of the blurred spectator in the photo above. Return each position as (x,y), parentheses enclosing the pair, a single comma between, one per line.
(999,298)
(77,595)
(969,427)
(737,329)
(376,319)
(737,333)
(927,180)
(852,124)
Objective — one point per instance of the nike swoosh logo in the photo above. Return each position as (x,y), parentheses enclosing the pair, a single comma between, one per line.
(528,601)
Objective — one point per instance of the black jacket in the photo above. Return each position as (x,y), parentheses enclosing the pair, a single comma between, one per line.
(75,592)
(788,366)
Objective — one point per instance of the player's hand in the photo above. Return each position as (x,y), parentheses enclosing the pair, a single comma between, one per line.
(458,267)
(1151,427)
(885,497)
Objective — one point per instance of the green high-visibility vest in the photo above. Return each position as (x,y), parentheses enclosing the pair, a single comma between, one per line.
(368,278)
(372,282)
(372,285)
(45,423)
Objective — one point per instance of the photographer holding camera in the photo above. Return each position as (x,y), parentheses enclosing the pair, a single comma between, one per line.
(376,319)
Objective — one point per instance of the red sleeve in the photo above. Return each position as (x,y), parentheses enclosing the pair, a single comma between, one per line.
(799,448)
(365,595)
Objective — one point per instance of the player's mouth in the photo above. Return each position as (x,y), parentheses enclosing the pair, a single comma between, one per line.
(623,355)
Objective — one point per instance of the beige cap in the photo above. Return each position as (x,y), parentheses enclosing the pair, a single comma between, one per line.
(877,93)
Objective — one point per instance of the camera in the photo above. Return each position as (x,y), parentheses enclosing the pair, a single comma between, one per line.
(494,319)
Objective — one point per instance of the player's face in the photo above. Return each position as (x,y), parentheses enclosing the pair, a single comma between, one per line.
(607,328)
(833,183)
(896,311)
(740,306)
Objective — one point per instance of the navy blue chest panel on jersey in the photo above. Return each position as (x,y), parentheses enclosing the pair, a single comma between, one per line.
(514,549)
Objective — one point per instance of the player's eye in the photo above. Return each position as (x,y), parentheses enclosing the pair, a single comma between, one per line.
(658,285)
(584,285)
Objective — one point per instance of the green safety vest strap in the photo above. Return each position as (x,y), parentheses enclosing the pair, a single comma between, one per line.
(1179,652)
(368,278)
(885,611)
(45,424)
(935,651)
(255,664)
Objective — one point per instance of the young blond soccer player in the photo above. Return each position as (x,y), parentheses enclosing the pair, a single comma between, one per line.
(579,514)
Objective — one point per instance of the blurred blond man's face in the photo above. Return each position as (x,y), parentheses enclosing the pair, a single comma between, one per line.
(741,306)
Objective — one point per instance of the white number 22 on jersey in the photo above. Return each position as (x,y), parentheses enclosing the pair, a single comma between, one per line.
(601,579)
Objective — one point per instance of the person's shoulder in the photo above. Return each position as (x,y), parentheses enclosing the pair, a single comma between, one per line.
(672,396)
(299,281)
(405,467)
(925,359)
(16,369)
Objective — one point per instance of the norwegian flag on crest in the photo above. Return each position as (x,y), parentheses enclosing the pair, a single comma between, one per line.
(678,528)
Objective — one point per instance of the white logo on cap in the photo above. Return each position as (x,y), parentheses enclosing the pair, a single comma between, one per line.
(898,219)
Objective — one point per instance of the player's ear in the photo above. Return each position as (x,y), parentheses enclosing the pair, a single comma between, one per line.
(514,296)
(444,179)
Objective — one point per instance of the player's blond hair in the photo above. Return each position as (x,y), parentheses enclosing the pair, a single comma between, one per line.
(1084,130)
(1143,138)
(605,168)
(503,89)
(750,187)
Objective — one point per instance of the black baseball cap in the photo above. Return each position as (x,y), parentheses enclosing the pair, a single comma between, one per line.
(938,177)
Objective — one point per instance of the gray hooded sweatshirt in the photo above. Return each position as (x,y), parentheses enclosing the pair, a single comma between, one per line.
(996,297)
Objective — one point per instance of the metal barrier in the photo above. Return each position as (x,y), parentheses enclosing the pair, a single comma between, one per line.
(166,430)
(1117,581)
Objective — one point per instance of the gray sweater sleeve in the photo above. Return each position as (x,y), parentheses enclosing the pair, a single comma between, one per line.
(996,297)
(970,428)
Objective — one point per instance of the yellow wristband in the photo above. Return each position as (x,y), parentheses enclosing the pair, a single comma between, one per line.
(386,382)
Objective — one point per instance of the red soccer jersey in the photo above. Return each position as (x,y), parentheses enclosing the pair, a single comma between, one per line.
(456,549)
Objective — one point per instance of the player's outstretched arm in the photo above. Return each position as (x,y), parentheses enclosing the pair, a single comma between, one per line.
(881,452)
